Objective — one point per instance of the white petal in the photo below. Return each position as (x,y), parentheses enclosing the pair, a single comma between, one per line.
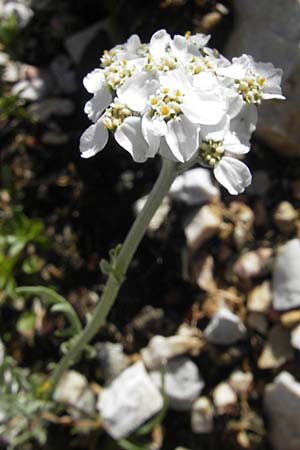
(234,100)
(206,81)
(237,139)
(179,43)
(133,43)
(205,103)
(267,70)
(176,79)
(215,132)
(276,94)
(129,135)
(182,138)
(271,87)
(158,43)
(95,107)
(270,91)
(245,122)
(233,174)
(200,39)
(94,81)
(155,126)
(93,140)
(233,144)
(206,108)
(136,90)
(238,69)
(152,132)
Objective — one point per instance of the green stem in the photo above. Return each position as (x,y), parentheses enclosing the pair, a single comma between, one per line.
(115,280)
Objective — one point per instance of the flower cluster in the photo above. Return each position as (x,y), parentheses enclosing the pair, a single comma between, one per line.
(180,99)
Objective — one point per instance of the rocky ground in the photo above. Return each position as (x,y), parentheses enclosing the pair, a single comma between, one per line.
(201,350)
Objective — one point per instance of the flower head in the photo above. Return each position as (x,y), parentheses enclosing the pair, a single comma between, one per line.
(221,147)
(180,99)
(253,81)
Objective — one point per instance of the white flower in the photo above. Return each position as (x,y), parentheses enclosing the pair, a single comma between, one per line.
(94,82)
(181,100)
(177,109)
(133,49)
(120,64)
(222,144)
(128,133)
(254,81)
(136,91)
(189,45)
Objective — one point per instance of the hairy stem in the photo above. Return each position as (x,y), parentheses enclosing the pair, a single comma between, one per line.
(115,280)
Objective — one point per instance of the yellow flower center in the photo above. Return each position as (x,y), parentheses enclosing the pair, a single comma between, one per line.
(115,114)
(166,103)
(117,72)
(250,87)
(197,64)
(211,151)
(164,110)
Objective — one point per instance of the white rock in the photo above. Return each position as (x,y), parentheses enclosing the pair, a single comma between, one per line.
(243,218)
(240,381)
(224,398)
(112,359)
(272,40)
(225,328)
(22,13)
(286,279)
(285,217)
(183,382)
(202,271)
(86,404)
(202,417)
(187,330)
(260,298)
(277,350)
(130,400)
(70,388)
(160,349)
(205,224)
(253,263)
(194,187)
(282,405)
